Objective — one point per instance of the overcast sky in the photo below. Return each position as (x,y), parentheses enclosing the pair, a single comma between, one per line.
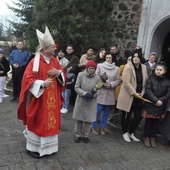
(4,11)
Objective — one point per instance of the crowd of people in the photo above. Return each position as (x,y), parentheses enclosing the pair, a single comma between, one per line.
(46,84)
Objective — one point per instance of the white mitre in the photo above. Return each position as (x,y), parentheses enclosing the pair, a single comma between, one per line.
(45,40)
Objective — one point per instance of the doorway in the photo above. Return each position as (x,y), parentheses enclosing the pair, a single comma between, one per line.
(166,53)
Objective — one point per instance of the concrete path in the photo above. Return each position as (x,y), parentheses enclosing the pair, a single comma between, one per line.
(108,152)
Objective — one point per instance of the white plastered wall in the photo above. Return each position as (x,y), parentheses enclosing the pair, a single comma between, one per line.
(154,25)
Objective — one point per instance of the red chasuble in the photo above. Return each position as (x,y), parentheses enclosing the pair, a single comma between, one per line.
(41,115)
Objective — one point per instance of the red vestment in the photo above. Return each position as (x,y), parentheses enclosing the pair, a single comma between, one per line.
(41,115)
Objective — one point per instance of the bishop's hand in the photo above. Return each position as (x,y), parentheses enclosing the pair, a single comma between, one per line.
(48,82)
(54,73)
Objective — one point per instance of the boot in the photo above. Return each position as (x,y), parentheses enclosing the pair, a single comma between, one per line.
(102,132)
(147,142)
(94,131)
(153,142)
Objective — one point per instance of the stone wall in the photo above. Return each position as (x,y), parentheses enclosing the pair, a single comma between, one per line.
(126,19)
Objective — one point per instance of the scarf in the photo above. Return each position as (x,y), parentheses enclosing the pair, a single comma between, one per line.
(108,65)
(88,57)
(151,64)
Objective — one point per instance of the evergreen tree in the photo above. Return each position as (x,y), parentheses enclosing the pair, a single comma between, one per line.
(80,23)
(5,31)
(2,37)
(23,10)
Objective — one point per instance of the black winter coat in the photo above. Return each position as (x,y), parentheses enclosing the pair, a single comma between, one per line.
(72,75)
(157,88)
(4,66)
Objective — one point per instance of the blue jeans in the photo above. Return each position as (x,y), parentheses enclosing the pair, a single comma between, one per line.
(66,95)
(105,109)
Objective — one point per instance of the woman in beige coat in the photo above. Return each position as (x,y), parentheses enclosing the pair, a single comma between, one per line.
(134,79)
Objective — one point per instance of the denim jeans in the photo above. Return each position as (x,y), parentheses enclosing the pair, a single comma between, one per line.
(2,84)
(105,109)
(66,95)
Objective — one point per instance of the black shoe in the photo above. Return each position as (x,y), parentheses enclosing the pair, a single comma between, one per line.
(86,140)
(33,154)
(14,99)
(78,139)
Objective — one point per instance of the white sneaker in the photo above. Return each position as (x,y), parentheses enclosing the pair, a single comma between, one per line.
(1,100)
(64,110)
(132,136)
(126,137)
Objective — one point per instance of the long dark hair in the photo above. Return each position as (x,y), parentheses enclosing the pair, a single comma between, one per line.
(97,58)
(139,56)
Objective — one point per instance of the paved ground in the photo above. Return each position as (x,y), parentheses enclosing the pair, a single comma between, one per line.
(103,152)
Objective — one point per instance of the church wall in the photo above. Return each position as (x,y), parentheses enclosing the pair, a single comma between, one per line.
(154,25)
(126,19)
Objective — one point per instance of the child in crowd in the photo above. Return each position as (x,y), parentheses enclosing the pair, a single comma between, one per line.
(86,102)
(157,91)
(61,57)
(70,77)
(4,68)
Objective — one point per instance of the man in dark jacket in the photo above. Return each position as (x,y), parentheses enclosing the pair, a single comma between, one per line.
(151,63)
(116,55)
(13,47)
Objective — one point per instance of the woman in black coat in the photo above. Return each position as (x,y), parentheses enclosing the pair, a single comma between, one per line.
(4,68)
(157,90)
